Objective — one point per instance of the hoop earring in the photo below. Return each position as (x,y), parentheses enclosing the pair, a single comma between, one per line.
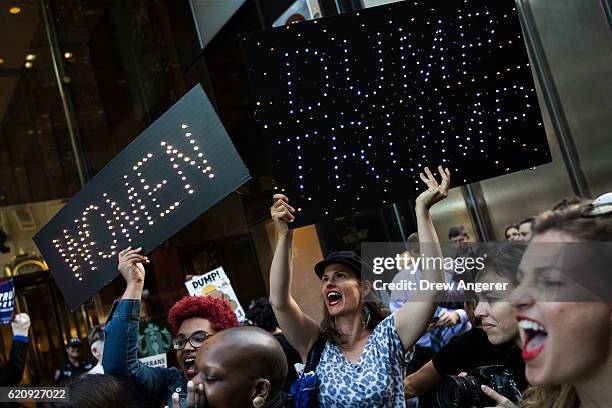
(259,402)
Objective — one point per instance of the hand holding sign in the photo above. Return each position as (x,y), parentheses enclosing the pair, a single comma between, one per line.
(132,269)
(282,212)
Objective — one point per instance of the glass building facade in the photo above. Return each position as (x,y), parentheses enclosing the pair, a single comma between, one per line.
(80,79)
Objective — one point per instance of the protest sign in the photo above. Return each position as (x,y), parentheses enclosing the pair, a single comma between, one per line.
(7,301)
(354,106)
(216,283)
(159,361)
(180,166)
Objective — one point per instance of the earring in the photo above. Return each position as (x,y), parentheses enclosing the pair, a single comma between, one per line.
(365,317)
(259,402)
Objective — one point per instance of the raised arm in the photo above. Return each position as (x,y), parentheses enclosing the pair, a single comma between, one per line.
(121,333)
(301,330)
(11,375)
(414,316)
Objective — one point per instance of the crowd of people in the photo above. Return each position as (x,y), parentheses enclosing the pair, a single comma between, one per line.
(544,341)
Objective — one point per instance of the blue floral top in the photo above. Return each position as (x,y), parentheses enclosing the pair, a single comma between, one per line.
(376,380)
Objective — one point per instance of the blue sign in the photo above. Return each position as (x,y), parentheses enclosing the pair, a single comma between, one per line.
(7,301)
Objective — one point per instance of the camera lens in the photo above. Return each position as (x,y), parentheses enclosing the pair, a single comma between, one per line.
(455,392)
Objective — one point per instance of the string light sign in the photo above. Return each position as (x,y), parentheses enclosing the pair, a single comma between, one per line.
(354,106)
(180,166)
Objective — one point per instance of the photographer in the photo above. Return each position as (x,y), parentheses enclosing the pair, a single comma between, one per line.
(495,342)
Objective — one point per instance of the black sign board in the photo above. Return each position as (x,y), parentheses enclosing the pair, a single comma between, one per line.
(180,166)
(354,106)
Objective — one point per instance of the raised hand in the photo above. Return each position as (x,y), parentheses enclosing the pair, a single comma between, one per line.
(132,269)
(435,192)
(21,324)
(282,212)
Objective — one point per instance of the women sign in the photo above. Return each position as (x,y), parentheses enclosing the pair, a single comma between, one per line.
(180,166)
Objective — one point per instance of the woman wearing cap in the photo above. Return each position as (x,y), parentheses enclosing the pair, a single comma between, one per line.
(361,362)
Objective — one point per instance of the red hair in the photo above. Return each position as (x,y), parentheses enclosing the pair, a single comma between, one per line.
(218,312)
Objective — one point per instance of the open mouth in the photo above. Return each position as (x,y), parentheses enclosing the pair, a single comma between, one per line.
(333,297)
(190,368)
(534,337)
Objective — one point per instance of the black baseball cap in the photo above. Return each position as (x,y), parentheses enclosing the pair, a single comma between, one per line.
(74,342)
(348,258)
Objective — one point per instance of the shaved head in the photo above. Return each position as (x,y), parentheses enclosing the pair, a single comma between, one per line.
(240,363)
(252,349)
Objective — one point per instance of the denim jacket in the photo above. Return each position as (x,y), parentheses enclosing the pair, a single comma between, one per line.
(154,386)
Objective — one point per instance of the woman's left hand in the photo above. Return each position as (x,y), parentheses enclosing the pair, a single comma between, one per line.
(435,192)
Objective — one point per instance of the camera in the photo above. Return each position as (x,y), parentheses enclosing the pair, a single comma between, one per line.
(465,392)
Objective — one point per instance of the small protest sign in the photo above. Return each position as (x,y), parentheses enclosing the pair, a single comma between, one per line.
(216,283)
(159,361)
(7,301)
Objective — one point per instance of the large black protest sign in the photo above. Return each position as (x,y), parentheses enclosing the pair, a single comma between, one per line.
(352,107)
(180,166)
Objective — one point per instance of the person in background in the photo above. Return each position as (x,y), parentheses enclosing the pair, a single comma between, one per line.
(96,341)
(243,367)
(459,236)
(461,240)
(97,391)
(74,366)
(262,315)
(525,229)
(192,320)
(409,274)
(495,341)
(512,232)
(11,375)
